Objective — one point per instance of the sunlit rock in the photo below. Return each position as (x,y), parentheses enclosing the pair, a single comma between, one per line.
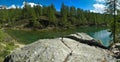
(60,50)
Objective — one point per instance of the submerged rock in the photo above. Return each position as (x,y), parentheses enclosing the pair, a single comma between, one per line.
(60,50)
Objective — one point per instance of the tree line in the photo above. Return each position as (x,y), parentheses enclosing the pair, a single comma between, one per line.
(40,17)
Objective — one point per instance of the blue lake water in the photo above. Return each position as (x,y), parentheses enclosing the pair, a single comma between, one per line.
(99,33)
(103,36)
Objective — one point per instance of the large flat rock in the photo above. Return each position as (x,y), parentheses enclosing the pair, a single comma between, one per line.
(46,50)
(60,50)
(85,53)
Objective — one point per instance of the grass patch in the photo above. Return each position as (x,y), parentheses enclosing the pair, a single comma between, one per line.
(2,35)
(6,44)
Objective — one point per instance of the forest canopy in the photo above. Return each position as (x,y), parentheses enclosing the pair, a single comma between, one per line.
(40,17)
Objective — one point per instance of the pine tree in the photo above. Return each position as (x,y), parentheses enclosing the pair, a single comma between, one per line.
(51,14)
(38,10)
(72,11)
(64,14)
(111,4)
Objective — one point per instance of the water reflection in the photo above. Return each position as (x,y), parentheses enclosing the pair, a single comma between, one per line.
(102,35)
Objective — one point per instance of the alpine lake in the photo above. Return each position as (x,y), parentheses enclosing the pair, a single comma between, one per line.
(99,33)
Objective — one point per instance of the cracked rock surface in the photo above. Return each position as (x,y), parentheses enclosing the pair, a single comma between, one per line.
(57,50)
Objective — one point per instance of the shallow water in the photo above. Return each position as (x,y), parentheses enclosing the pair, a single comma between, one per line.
(102,35)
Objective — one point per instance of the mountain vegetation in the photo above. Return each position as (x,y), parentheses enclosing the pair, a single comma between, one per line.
(40,17)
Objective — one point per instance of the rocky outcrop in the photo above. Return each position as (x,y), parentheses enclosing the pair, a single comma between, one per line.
(86,39)
(116,50)
(60,50)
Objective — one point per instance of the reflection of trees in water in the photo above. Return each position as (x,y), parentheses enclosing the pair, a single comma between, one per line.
(104,36)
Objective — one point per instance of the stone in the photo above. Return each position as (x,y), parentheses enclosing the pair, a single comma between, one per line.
(116,50)
(86,39)
(60,50)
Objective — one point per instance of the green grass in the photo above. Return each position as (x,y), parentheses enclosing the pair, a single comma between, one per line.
(2,35)
(6,44)
(27,37)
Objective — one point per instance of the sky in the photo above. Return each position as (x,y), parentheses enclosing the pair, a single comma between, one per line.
(92,5)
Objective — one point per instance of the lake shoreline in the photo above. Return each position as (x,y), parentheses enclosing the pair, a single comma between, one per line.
(29,36)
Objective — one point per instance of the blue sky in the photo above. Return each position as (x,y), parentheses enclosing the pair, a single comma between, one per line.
(83,4)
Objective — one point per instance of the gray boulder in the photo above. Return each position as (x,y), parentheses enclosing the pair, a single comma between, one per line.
(116,50)
(60,50)
(86,39)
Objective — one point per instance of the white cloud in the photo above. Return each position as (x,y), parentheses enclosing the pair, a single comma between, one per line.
(118,5)
(100,1)
(22,5)
(98,8)
(31,4)
(12,6)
